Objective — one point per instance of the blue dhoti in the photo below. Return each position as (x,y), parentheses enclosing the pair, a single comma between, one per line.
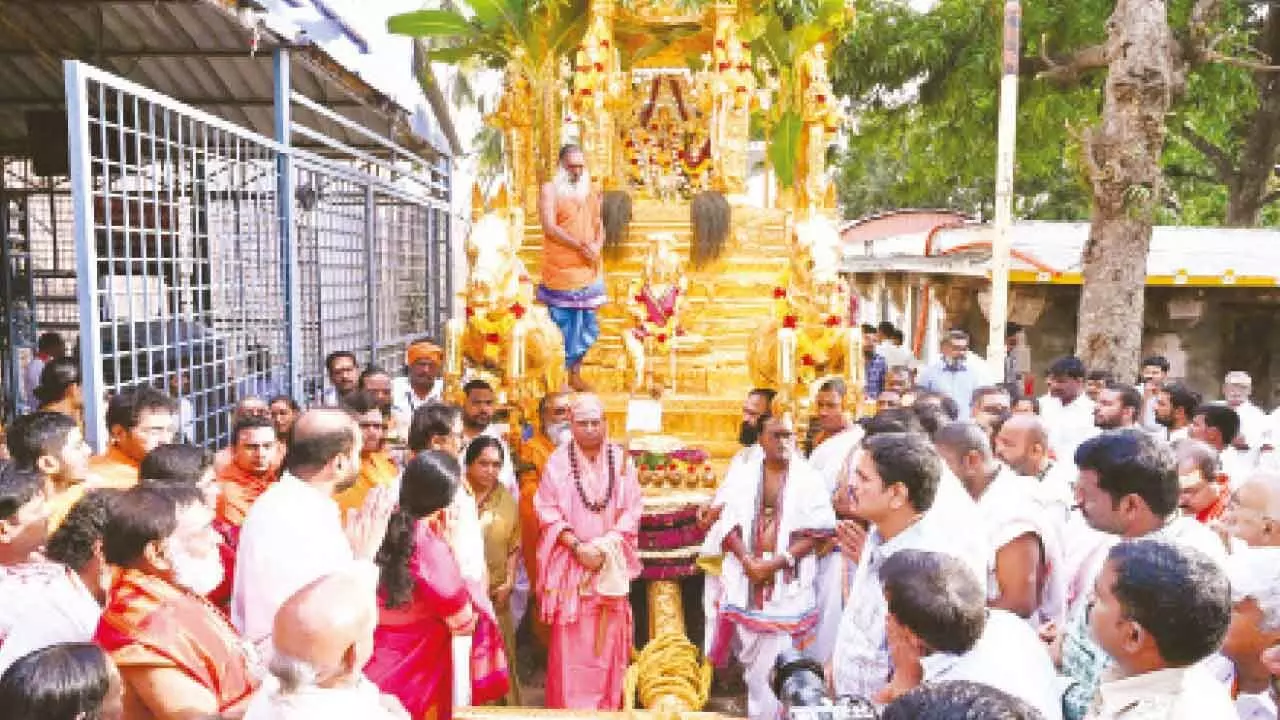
(574,312)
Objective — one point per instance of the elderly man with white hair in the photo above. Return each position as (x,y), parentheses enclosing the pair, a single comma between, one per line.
(588,507)
(572,285)
(1252,516)
(323,638)
(1255,626)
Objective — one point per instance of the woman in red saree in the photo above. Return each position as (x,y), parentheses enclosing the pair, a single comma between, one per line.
(424,601)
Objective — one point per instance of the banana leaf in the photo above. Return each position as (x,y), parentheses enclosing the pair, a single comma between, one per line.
(430,23)
(784,147)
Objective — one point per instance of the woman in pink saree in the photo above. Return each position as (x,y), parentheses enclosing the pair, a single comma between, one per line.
(424,601)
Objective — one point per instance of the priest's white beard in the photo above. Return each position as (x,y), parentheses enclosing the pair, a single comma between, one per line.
(559,433)
(567,188)
(199,575)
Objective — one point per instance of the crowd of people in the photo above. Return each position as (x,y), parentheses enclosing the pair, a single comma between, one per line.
(1107,550)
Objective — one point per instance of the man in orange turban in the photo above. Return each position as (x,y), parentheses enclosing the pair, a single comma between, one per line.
(421,386)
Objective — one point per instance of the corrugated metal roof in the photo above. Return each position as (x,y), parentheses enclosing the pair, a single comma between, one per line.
(200,52)
(1052,252)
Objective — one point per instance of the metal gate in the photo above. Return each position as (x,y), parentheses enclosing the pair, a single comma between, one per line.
(218,263)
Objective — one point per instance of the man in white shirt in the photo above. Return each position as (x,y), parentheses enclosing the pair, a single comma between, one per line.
(1118,406)
(1128,488)
(49,346)
(894,485)
(478,406)
(1175,406)
(891,347)
(344,376)
(831,458)
(837,435)
(323,637)
(1066,410)
(1255,626)
(45,603)
(1023,533)
(1218,426)
(294,533)
(1155,371)
(422,385)
(1023,445)
(1237,386)
(1159,610)
(940,630)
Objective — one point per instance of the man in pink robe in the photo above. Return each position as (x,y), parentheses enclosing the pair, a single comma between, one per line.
(588,506)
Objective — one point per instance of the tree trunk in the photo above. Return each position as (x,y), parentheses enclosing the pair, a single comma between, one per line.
(1123,154)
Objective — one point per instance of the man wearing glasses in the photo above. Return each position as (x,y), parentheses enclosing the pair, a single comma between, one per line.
(139,420)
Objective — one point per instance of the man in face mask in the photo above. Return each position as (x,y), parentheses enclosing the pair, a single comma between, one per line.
(553,431)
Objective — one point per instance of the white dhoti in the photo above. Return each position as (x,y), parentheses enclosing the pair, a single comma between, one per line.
(757,652)
(789,614)
(833,459)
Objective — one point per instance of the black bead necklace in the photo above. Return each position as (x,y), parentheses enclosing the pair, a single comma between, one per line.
(595,507)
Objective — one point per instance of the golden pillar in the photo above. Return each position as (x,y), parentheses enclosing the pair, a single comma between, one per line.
(598,86)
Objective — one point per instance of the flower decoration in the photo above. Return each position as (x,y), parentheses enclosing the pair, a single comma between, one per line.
(790,322)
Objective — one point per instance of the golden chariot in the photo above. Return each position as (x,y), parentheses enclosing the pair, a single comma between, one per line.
(721,267)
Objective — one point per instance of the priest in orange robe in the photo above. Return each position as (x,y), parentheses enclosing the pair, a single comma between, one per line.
(177,655)
(138,420)
(553,430)
(377,469)
(572,286)
(254,449)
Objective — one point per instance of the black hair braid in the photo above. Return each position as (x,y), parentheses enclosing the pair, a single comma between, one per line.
(395,578)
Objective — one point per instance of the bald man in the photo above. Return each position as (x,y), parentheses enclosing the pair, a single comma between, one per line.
(1253,513)
(323,637)
(294,533)
(1023,445)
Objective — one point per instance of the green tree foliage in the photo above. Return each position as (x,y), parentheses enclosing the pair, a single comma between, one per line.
(923,89)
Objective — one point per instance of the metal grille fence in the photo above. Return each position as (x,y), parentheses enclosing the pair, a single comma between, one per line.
(221,264)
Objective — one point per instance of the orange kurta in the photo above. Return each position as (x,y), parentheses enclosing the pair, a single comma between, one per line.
(239,491)
(113,469)
(564,268)
(376,470)
(534,454)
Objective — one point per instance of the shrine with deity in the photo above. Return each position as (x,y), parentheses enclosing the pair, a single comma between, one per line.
(661,97)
